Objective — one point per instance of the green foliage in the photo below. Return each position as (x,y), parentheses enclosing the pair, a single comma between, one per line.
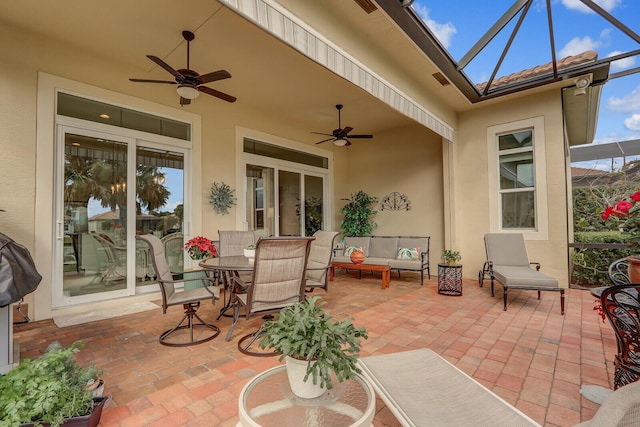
(47,389)
(451,257)
(305,331)
(591,266)
(221,197)
(357,213)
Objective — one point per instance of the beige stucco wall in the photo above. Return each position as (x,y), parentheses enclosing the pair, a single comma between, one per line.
(407,161)
(472,176)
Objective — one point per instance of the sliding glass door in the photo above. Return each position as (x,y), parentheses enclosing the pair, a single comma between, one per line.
(110,189)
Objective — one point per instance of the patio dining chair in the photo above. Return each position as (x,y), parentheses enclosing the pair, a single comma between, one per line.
(277,281)
(320,254)
(189,299)
(115,267)
(621,305)
(619,272)
(508,263)
(233,242)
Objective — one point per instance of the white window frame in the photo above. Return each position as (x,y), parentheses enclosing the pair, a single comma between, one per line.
(536,125)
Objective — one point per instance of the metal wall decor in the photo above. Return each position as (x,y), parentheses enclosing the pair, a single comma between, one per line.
(395,202)
(221,197)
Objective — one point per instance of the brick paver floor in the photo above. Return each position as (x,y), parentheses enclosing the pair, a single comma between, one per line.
(530,355)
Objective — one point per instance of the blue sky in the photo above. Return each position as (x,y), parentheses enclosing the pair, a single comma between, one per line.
(576,29)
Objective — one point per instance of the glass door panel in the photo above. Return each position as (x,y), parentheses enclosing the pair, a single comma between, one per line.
(260,200)
(313,204)
(94,252)
(159,208)
(289,203)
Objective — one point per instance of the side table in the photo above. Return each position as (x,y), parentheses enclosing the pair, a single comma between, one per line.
(450,279)
(267,400)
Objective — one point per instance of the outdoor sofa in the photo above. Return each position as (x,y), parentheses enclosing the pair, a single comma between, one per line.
(400,253)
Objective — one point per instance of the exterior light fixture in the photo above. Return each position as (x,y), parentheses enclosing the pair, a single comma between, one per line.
(188,92)
(340,142)
(582,84)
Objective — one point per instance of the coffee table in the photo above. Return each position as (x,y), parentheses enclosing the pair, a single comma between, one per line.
(384,269)
(267,400)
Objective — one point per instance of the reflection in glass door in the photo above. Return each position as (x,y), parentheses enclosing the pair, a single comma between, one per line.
(159,209)
(97,244)
(262,192)
(94,250)
(289,203)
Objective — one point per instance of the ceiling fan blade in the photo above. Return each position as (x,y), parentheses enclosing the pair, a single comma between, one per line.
(184,101)
(217,94)
(152,81)
(212,77)
(347,130)
(348,143)
(322,133)
(166,66)
(325,140)
(361,136)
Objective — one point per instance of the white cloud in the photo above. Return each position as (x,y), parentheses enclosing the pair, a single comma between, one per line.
(443,32)
(578,45)
(621,64)
(627,104)
(607,5)
(633,122)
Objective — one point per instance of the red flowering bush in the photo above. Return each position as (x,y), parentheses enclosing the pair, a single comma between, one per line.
(200,248)
(626,212)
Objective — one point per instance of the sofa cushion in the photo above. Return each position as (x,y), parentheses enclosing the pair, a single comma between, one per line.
(409,253)
(376,261)
(351,249)
(405,264)
(414,242)
(383,247)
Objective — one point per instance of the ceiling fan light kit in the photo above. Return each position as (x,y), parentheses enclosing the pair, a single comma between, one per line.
(190,82)
(188,92)
(340,142)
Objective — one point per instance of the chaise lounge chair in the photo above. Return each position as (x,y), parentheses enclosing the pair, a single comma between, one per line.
(508,263)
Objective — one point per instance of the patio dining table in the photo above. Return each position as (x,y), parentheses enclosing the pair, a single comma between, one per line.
(227,268)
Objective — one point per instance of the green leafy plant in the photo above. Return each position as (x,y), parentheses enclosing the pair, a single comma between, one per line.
(358,213)
(305,331)
(221,197)
(451,257)
(250,247)
(48,389)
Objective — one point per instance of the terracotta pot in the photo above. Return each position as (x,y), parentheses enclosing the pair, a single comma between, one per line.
(357,257)
(634,269)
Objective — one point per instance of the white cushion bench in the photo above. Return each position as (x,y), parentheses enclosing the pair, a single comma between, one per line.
(421,388)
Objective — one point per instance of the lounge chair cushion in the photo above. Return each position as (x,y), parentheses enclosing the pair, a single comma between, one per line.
(523,277)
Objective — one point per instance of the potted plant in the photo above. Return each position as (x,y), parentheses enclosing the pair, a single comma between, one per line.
(308,337)
(52,389)
(358,213)
(451,257)
(200,248)
(250,251)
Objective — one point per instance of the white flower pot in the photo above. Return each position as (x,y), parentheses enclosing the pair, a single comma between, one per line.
(250,253)
(296,370)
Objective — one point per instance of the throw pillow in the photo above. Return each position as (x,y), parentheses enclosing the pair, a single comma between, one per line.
(350,249)
(409,253)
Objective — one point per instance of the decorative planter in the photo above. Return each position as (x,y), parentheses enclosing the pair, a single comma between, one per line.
(250,253)
(357,257)
(634,268)
(296,370)
(91,420)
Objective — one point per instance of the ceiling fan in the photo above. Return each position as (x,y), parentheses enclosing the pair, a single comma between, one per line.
(190,82)
(340,136)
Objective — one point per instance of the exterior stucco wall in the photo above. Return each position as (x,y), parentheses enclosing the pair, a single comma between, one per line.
(407,161)
(472,187)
